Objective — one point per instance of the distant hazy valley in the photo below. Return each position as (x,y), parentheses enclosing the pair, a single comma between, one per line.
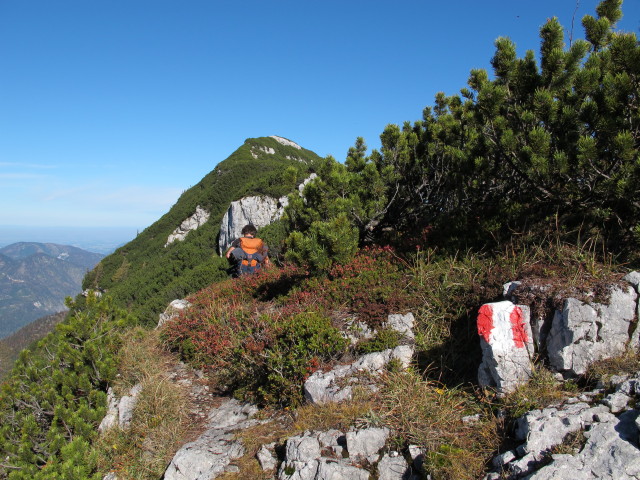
(35,278)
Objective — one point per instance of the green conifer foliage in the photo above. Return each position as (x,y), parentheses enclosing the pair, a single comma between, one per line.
(52,403)
(533,144)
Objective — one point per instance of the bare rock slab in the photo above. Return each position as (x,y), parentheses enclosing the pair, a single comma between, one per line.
(211,454)
(611,453)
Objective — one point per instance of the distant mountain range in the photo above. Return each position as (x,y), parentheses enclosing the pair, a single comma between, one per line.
(35,278)
(94,239)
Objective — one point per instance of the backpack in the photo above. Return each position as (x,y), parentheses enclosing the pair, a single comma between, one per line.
(248,255)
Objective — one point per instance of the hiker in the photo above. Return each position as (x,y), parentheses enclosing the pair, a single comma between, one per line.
(248,252)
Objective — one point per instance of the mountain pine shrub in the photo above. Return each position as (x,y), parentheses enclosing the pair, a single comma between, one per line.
(54,399)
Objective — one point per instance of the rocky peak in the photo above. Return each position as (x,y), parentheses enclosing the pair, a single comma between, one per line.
(285,142)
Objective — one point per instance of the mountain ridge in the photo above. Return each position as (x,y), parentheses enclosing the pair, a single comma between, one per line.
(145,276)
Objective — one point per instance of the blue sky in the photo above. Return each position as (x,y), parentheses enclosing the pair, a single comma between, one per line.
(109,109)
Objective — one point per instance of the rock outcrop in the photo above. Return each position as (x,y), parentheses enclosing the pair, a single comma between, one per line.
(259,211)
(578,335)
(334,455)
(609,427)
(212,452)
(172,311)
(582,334)
(119,410)
(285,142)
(199,218)
(337,384)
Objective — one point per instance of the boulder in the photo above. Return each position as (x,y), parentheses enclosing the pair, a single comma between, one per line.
(507,345)
(199,218)
(394,467)
(365,444)
(172,311)
(582,334)
(333,470)
(266,457)
(120,411)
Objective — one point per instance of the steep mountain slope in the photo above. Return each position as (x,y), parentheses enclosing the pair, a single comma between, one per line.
(144,275)
(11,346)
(35,278)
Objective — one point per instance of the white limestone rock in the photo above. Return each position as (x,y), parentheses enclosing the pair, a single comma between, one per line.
(211,454)
(544,429)
(403,324)
(365,444)
(172,311)
(285,142)
(332,470)
(120,411)
(393,468)
(266,457)
(110,420)
(199,218)
(633,279)
(336,385)
(582,334)
(355,331)
(611,453)
(127,405)
(258,211)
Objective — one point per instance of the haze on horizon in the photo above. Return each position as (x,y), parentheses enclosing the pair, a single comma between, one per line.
(111,109)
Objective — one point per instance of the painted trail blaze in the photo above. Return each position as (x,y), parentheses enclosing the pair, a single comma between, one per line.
(485,321)
(520,337)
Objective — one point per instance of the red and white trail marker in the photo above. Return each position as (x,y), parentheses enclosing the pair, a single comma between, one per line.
(507,345)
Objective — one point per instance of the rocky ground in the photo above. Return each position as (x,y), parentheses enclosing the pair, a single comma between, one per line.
(592,435)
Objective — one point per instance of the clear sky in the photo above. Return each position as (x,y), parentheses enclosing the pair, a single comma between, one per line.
(109,109)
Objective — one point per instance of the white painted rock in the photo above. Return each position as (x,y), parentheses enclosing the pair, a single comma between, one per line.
(507,345)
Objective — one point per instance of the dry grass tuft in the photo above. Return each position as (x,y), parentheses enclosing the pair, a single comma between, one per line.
(541,391)
(160,422)
(600,372)
(429,415)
